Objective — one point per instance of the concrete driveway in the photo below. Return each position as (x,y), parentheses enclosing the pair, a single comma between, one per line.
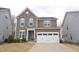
(51,47)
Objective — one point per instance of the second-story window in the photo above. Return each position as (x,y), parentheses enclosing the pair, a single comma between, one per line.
(22,22)
(67,27)
(6,17)
(31,22)
(47,23)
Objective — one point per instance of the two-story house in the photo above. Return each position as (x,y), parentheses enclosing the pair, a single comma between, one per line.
(38,29)
(5,24)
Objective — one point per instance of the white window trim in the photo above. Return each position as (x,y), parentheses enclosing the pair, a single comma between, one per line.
(22,19)
(22,33)
(31,20)
(45,22)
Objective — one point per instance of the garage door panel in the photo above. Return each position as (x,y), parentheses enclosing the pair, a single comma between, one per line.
(47,37)
(39,36)
(44,37)
(56,36)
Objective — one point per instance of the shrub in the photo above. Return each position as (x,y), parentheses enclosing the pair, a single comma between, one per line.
(61,41)
(17,40)
(6,40)
(24,40)
(10,39)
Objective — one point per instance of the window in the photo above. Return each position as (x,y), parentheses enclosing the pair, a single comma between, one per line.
(55,34)
(22,22)
(22,34)
(47,23)
(39,34)
(6,17)
(44,34)
(31,22)
(70,36)
(49,34)
(7,27)
(67,27)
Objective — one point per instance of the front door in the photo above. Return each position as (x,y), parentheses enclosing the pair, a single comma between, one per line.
(31,35)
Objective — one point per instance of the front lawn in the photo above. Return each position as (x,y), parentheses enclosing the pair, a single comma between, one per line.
(15,47)
(73,46)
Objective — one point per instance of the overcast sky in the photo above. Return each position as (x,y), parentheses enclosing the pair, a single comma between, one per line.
(51,8)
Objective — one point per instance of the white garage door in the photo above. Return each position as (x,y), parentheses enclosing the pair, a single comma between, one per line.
(47,37)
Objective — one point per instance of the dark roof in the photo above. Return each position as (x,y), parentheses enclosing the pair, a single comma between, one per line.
(72,12)
(47,18)
(1,8)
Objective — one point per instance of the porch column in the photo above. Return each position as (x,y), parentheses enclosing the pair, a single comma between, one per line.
(34,36)
(27,35)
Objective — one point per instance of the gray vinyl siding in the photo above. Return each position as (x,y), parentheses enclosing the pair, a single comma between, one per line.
(72,21)
(5,24)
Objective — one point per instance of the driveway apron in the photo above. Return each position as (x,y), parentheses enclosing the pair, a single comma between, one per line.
(51,47)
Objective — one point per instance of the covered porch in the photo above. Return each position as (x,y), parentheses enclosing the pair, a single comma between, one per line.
(28,35)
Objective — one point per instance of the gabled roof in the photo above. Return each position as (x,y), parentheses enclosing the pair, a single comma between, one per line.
(67,14)
(2,9)
(72,12)
(25,10)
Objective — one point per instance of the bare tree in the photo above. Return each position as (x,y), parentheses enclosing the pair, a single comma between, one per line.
(13,24)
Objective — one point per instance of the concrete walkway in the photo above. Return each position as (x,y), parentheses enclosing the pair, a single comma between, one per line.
(51,47)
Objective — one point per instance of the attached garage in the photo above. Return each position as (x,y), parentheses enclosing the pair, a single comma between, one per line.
(48,37)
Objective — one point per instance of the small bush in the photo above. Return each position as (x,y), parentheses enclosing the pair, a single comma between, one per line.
(10,39)
(6,40)
(17,40)
(24,40)
(61,41)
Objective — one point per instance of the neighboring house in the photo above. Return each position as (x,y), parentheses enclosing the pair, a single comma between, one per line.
(38,29)
(5,24)
(70,27)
